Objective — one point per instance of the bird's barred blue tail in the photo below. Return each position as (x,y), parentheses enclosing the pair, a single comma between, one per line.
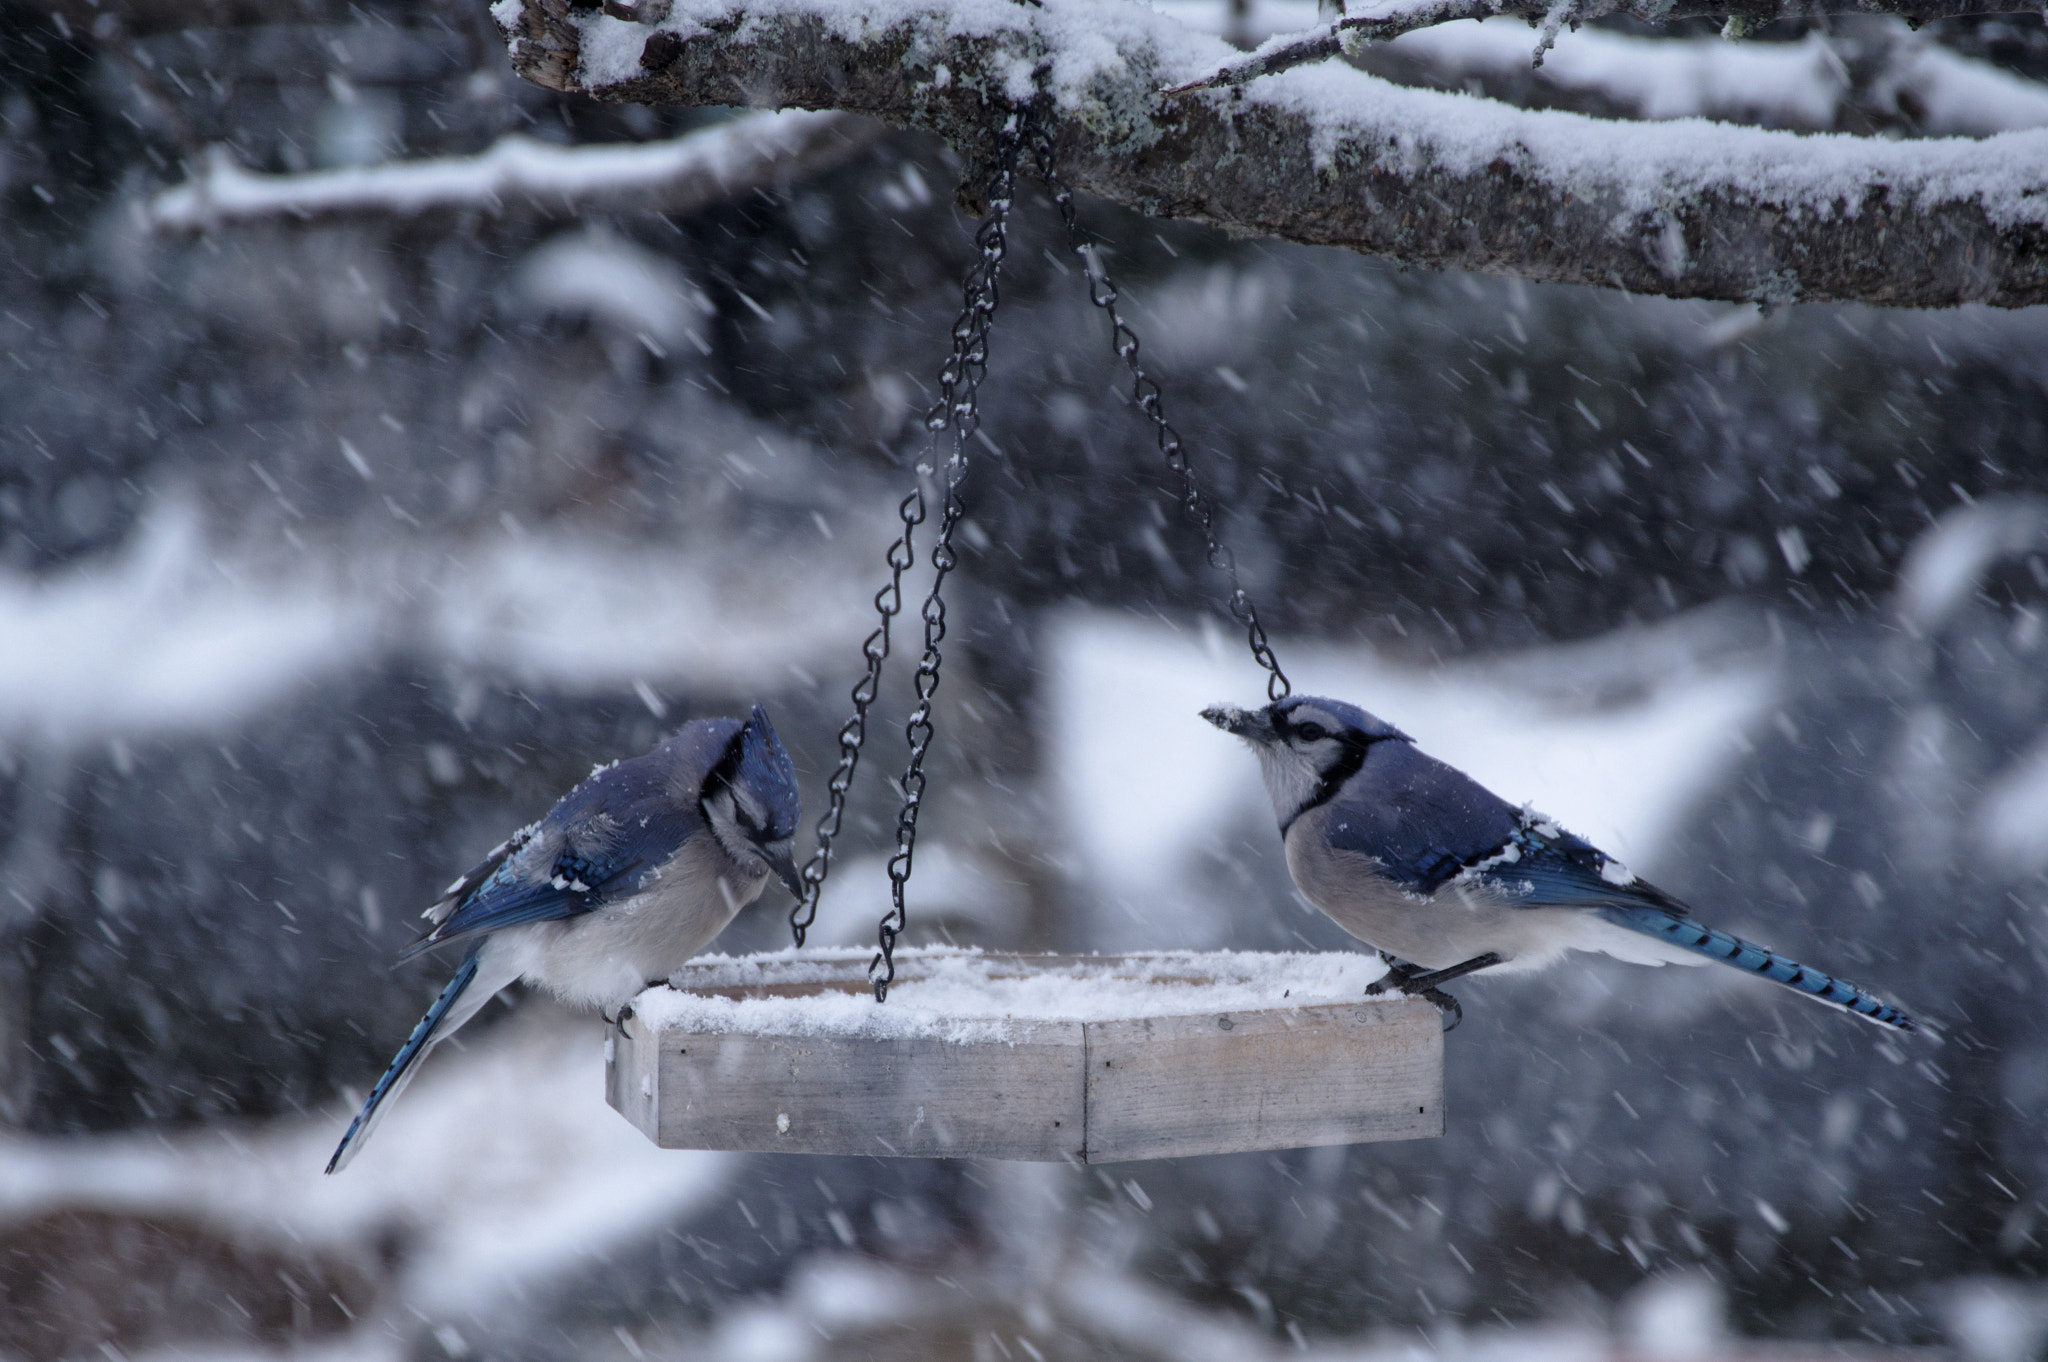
(1733,950)
(417,1044)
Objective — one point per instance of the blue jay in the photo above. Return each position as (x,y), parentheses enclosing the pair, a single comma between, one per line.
(1445,878)
(632,873)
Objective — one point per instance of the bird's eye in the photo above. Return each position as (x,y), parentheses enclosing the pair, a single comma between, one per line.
(1312,732)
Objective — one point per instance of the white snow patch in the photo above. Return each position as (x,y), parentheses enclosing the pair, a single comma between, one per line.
(2012,818)
(1659,78)
(1641,168)
(160,637)
(1510,854)
(1681,1318)
(966,996)
(963,888)
(597,274)
(1785,84)
(513,167)
(1990,1319)
(1944,565)
(175,633)
(551,607)
(502,1165)
(1961,96)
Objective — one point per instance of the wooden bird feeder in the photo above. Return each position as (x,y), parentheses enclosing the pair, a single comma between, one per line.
(1090,1059)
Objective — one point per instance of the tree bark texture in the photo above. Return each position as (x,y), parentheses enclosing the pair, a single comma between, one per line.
(1331,156)
(1335,38)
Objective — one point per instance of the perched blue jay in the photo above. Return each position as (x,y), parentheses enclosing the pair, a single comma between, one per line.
(632,873)
(1445,878)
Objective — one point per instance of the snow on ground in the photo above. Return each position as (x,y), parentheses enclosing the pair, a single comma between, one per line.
(1145,779)
(173,634)
(503,1160)
(159,637)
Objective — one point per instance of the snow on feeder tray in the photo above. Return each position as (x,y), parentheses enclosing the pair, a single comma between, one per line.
(1093,1059)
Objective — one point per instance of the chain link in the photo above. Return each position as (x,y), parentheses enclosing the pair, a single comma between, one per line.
(958,410)
(852,734)
(1146,392)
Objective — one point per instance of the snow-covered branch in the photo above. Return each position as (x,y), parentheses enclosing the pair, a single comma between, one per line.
(1390,21)
(1862,74)
(520,174)
(1888,76)
(1330,155)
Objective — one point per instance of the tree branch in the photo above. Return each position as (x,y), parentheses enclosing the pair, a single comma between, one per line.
(1286,51)
(518,174)
(1875,76)
(1332,156)
(1864,75)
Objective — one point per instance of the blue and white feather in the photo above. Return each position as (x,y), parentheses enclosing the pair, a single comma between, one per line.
(1421,862)
(628,876)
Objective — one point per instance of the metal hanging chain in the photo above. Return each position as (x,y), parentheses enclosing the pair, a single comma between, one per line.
(852,734)
(959,382)
(1146,392)
(959,410)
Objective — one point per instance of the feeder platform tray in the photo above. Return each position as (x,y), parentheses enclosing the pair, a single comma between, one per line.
(1092,1059)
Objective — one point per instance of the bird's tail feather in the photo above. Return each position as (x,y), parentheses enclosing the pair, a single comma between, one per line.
(447,1013)
(1733,950)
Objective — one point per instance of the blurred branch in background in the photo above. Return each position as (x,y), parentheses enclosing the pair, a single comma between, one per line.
(520,175)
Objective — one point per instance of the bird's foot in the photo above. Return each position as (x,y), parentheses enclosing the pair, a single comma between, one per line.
(1445,1003)
(1415,983)
(625,1015)
(1399,972)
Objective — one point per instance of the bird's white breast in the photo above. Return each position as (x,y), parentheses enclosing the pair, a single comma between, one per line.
(1461,921)
(603,958)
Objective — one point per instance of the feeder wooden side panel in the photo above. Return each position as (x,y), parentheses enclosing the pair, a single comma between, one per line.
(1019,1097)
(1166,1087)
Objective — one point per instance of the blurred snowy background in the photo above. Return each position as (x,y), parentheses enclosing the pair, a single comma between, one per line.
(345,521)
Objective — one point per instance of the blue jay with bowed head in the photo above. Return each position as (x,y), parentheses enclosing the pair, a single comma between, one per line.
(631,874)
(1445,878)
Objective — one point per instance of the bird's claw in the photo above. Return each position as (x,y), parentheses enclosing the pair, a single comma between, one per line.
(1399,972)
(1446,1004)
(1415,983)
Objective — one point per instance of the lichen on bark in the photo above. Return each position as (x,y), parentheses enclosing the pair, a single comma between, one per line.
(1259,165)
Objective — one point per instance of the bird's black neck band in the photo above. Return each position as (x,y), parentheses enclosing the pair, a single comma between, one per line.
(1333,779)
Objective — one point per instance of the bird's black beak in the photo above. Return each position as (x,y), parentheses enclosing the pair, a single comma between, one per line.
(1253,725)
(785,869)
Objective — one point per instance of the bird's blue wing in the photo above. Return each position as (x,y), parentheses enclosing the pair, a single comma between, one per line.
(1543,866)
(1424,822)
(600,843)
